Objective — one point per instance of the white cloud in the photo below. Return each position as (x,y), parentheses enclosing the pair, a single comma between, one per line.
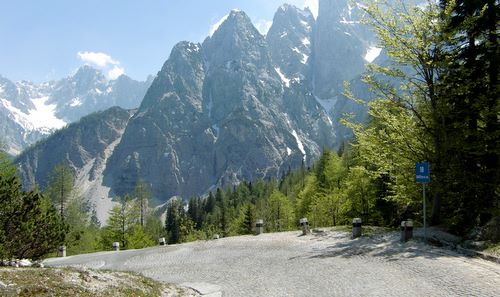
(115,72)
(98,59)
(313,6)
(263,26)
(104,62)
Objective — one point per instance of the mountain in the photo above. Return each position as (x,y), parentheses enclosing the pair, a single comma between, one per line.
(239,106)
(30,112)
(289,40)
(217,113)
(341,44)
(85,146)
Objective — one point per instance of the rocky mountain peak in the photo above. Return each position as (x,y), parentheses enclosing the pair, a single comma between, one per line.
(236,39)
(183,54)
(289,40)
(87,73)
(340,43)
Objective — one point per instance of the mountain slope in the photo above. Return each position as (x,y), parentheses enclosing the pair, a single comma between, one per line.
(29,112)
(85,146)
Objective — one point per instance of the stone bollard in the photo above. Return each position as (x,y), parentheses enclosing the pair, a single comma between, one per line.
(259,226)
(116,246)
(162,241)
(406,230)
(356,227)
(304,223)
(61,251)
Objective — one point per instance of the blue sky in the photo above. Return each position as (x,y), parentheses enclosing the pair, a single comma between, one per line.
(45,40)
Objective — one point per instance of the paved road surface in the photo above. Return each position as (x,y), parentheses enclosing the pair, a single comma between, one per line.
(325,264)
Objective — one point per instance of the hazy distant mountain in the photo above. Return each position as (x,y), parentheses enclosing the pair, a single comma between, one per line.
(239,106)
(30,112)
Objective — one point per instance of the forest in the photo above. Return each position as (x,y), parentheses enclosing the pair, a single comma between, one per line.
(434,100)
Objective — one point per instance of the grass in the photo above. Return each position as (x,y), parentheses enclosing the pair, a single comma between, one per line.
(81,282)
(493,249)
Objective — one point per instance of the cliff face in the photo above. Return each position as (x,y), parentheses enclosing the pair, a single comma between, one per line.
(218,113)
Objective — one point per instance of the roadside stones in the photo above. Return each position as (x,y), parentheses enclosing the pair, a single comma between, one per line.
(116,246)
(18,263)
(406,230)
(356,227)
(304,223)
(259,226)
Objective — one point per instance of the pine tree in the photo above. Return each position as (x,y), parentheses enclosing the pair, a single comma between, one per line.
(30,228)
(248,222)
(470,87)
(60,186)
(142,193)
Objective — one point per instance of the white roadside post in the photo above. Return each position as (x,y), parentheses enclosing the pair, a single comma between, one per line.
(356,227)
(61,251)
(116,246)
(259,226)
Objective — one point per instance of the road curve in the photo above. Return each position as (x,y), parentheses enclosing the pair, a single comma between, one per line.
(323,264)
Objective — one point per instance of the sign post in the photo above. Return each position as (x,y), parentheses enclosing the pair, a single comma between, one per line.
(422,175)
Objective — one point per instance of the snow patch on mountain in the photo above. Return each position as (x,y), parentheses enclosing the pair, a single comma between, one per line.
(75,102)
(372,53)
(284,79)
(299,143)
(43,116)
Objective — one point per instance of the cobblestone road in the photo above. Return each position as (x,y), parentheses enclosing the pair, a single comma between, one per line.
(324,264)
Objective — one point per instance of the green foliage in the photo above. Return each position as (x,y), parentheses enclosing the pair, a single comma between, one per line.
(281,215)
(178,224)
(142,193)
(30,227)
(60,186)
(121,223)
(469,88)
(137,238)
(7,169)
(436,101)
(83,234)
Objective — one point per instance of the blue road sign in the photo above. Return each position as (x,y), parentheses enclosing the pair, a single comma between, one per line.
(422,172)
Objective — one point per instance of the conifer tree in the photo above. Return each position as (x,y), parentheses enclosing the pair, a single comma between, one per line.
(29,227)
(60,186)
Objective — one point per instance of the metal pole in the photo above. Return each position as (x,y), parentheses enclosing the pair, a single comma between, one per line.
(425,215)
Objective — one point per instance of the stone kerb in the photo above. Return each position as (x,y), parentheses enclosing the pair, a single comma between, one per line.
(304,223)
(406,230)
